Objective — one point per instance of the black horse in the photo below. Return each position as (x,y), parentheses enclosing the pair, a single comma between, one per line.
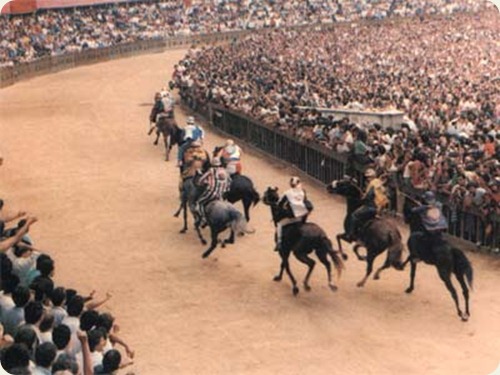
(172,134)
(241,189)
(301,239)
(435,250)
(376,236)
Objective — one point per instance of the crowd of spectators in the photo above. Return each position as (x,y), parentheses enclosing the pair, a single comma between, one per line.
(442,72)
(44,327)
(24,38)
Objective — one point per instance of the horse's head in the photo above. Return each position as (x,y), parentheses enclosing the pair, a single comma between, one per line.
(347,187)
(271,196)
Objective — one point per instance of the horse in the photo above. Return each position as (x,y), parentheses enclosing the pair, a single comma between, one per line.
(437,251)
(220,216)
(241,189)
(172,134)
(377,235)
(301,239)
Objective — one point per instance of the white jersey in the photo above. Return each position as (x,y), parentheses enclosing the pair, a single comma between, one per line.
(296,198)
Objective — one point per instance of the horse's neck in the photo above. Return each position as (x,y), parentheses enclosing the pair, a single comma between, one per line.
(353,203)
(277,213)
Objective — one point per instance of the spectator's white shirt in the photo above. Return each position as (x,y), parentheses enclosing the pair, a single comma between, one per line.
(45,337)
(41,371)
(6,303)
(21,267)
(12,319)
(96,358)
(73,325)
(59,315)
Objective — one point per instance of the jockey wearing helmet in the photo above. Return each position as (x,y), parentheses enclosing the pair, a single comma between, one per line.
(431,214)
(293,200)
(217,182)
(192,132)
(374,201)
(232,157)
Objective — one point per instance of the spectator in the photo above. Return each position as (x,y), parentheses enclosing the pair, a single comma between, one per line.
(44,358)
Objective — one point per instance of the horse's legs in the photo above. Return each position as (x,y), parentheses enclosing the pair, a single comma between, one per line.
(229,240)
(465,291)
(413,271)
(301,255)
(445,275)
(198,231)
(295,290)
(322,256)
(369,269)
(339,238)
(386,264)
(184,216)
(157,137)
(246,208)
(283,256)
(213,243)
(355,249)
(167,141)
(178,212)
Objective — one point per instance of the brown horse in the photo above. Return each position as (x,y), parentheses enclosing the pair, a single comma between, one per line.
(172,134)
(377,235)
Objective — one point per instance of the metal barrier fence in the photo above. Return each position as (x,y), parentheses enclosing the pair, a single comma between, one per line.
(325,166)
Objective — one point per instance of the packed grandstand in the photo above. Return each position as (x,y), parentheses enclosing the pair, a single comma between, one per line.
(442,71)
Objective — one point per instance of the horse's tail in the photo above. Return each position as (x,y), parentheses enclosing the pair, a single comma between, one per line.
(463,266)
(239,223)
(255,196)
(337,261)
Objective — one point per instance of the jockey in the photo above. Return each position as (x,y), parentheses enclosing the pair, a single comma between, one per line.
(168,103)
(232,157)
(158,108)
(217,182)
(293,200)
(431,214)
(192,132)
(374,201)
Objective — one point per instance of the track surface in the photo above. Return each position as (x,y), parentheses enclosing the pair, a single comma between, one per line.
(77,155)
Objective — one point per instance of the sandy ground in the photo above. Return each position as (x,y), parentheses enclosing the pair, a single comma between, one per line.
(78,157)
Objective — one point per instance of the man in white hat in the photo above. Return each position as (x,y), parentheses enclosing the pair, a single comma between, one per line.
(375,200)
(232,157)
(294,199)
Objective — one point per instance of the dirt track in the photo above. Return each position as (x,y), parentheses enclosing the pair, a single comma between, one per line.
(77,155)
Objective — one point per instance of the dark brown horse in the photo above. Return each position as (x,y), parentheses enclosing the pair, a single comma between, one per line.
(301,239)
(377,235)
(435,250)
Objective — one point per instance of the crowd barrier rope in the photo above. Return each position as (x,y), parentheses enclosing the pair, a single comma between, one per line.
(325,165)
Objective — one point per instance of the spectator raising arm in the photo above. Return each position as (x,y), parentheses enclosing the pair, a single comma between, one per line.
(11,241)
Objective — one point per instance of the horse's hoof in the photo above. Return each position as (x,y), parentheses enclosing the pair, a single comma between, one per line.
(295,290)
(176,215)
(183,231)
(307,288)
(376,277)
(203,242)
(362,258)
(344,257)
(360,284)
(464,317)
(205,255)
(333,287)
(408,290)
(223,244)
(155,143)
(277,278)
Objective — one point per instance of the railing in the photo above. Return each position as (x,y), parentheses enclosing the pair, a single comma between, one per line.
(325,166)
